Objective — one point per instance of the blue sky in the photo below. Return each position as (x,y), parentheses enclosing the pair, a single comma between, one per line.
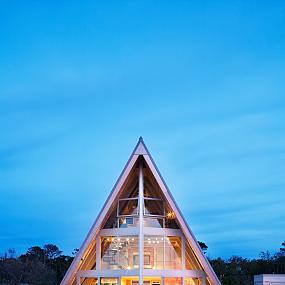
(201,81)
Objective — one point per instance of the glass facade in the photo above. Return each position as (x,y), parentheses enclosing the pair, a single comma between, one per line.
(191,262)
(128,222)
(123,253)
(162,252)
(192,281)
(173,281)
(126,214)
(88,281)
(153,222)
(119,253)
(128,207)
(134,280)
(153,207)
(109,281)
(173,253)
(153,252)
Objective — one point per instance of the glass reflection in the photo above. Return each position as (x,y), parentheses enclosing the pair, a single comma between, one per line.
(119,252)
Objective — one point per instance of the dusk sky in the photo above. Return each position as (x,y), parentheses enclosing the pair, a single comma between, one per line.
(202,81)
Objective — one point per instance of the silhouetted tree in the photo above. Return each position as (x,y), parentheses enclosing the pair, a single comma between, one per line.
(203,246)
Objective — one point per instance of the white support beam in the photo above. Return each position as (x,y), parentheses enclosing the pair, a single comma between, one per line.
(106,273)
(78,280)
(98,253)
(183,254)
(141,223)
(119,232)
(175,273)
(162,231)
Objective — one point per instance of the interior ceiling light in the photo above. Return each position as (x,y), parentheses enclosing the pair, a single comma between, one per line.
(170,215)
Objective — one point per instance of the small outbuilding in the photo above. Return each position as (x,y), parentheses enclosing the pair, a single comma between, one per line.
(269,279)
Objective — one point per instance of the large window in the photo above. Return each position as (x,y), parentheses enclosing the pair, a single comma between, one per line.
(173,281)
(128,207)
(153,207)
(128,222)
(192,281)
(88,281)
(191,261)
(153,222)
(173,253)
(153,252)
(162,252)
(109,281)
(119,252)
(146,281)
(126,214)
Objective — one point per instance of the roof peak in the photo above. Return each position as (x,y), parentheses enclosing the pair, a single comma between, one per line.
(140,147)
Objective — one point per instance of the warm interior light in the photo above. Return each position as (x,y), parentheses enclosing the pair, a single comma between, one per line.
(170,215)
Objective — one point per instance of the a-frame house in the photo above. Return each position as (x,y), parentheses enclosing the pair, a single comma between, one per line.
(140,237)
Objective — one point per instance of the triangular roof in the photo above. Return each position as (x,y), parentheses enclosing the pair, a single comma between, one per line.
(139,150)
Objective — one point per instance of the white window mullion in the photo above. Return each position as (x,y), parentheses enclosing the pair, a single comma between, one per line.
(141,223)
(183,253)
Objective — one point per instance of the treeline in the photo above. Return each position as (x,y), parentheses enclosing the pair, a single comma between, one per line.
(240,271)
(38,266)
(47,265)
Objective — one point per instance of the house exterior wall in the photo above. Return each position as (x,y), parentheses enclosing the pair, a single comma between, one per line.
(269,279)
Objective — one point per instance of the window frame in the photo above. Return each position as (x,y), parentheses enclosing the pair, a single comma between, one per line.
(153,199)
(127,199)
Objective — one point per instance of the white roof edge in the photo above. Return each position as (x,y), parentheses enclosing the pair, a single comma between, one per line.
(140,148)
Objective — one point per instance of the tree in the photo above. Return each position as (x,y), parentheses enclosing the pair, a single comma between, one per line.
(34,253)
(265,255)
(75,251)
(203,246)
(12,270)
(282,248)
(51,251)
